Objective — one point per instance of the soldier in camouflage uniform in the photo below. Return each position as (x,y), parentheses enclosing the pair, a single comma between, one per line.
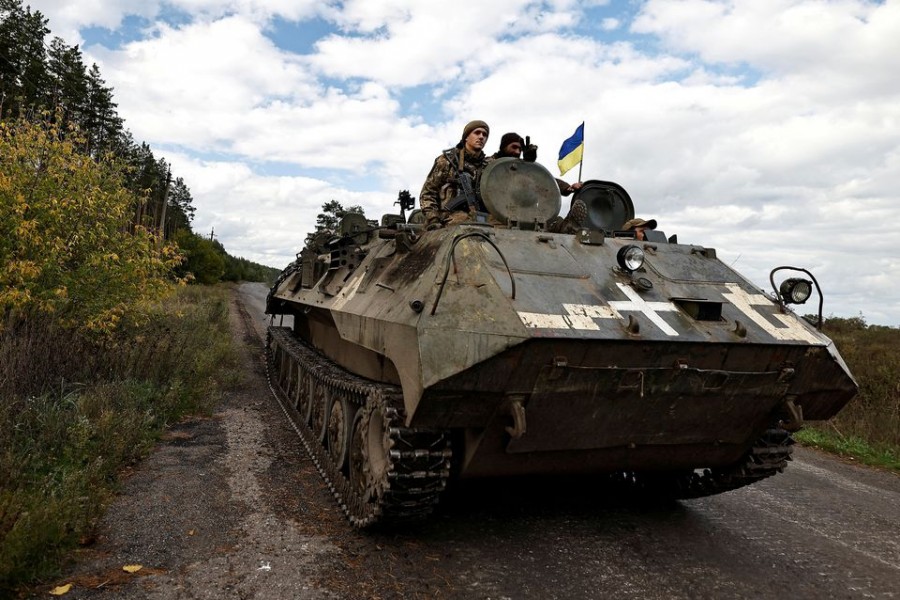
(512,146)
(440,198)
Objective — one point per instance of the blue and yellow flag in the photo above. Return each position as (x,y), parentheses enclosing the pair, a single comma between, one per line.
(572,150)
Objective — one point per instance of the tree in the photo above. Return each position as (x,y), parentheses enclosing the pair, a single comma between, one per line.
(330,217)
(66,250)
(181,209)
(23,69)
(69,92)
(204,262)
(102,125)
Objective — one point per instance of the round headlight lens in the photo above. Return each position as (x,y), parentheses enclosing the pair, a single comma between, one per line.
(630,258)
(795,290)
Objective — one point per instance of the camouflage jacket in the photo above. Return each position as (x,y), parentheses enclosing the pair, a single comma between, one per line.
(442,182)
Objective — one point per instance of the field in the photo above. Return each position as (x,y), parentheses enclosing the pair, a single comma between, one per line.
(868,428)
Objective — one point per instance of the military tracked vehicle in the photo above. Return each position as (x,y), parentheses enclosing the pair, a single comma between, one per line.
(477,350)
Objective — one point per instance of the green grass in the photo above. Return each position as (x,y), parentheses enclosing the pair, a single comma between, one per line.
(85,408)
(868,428)
(850,446)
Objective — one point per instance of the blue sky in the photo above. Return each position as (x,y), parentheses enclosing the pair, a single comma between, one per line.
(767,129)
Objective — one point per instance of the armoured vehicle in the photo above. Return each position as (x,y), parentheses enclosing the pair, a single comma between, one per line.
(494,348)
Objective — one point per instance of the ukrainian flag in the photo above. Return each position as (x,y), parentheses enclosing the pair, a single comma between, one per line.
(571,152)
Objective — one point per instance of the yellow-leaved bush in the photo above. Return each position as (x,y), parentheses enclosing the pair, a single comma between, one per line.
(68,246)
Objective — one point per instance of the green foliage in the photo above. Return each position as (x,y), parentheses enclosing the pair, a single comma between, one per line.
(66,245)
(331,214)
(35,80)
(330,217)
(851,446)
(873,417)
(204,263)
(241,269)
(24,79)
(85,406)
(207,262)
(838,326)
(53,81)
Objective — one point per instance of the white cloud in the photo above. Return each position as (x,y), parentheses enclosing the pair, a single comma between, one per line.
(68,17)
(408,44)
(610,24)
(263,218)
(768,129)
(827,45)
(193,85)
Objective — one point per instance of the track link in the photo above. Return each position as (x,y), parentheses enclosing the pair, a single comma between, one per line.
(768,456)
(390,473)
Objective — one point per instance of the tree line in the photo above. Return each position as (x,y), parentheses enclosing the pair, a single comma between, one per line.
(49,84)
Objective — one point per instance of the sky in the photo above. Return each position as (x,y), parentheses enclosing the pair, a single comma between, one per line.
(767,129)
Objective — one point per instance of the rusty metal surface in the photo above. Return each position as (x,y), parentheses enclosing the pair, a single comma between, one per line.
(521,191)
(538,347)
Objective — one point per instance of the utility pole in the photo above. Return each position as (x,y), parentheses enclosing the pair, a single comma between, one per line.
(165,203)
(212,234)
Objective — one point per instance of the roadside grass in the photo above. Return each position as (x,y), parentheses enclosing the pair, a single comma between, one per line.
(818,436)
(868,428)
(74,411)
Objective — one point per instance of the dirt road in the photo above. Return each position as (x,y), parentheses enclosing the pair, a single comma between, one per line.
(230,507)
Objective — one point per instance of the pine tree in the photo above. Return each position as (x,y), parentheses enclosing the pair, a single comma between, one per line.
(102,125)
(23,59)
(69,92)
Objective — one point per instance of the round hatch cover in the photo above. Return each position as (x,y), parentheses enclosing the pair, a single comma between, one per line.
(608,204)
(513,189)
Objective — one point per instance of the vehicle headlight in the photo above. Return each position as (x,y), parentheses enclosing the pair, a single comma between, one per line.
(630,258)
(795,290)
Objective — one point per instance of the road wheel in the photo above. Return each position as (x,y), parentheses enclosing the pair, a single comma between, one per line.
(305,397)
(340,423)
(320,407)
(369,460)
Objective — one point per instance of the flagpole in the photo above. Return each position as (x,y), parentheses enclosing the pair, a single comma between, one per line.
(582,152)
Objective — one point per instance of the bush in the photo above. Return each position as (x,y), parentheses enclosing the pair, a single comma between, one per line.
(871,353)
(68,249)
(87,406)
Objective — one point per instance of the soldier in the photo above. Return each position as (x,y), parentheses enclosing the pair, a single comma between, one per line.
(512,145)
(449,187)
(639,226)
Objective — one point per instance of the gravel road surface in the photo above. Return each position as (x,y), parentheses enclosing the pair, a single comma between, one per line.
(230,507)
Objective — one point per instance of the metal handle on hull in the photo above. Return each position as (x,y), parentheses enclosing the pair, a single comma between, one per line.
(450,254)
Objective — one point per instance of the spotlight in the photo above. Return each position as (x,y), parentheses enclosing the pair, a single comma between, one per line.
(795,290)
(630,258)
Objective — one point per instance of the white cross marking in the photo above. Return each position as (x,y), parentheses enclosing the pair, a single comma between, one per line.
(578,316)
(649,309)
(581,316)
(745,302)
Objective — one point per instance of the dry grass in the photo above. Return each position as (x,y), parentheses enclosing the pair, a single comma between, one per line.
(873,355)
(74,410)
(868,428)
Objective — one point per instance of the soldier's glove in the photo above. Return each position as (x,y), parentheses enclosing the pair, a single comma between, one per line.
(530,153)
(433,223)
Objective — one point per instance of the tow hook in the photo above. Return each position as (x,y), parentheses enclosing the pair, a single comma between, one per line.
(517,412)
(795,416)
